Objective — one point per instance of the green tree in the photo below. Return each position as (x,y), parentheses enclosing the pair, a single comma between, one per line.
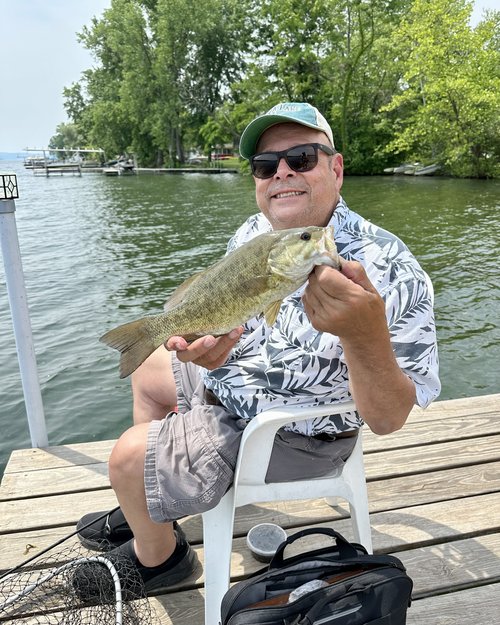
(332,53)
(163,67)
(447,110)
(67,136)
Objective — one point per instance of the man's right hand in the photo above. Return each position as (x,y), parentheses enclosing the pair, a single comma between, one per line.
(208,351)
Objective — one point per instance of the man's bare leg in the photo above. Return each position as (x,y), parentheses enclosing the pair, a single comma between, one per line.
(153,387)
(154,542)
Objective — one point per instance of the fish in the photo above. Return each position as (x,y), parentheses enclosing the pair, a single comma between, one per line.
(251,281)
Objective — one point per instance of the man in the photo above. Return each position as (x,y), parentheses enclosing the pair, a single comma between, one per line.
(365,331)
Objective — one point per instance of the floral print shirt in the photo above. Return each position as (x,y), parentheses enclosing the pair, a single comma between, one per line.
(291,363)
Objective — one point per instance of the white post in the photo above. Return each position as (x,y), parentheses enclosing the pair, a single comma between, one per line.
(19,309)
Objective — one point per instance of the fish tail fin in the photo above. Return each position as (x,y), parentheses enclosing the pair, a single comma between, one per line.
(135,341)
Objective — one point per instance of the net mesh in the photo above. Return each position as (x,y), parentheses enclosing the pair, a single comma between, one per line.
(75,587)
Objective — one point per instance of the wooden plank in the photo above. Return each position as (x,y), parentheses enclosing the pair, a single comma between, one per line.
(434,569)
(474,606)
(78,454)
(51,511)
(392,532)
(461,406)
(470,413)
(431,457)
(70,479)
(442,518)
(449,566)
(416,434)
(187,607)
(384,464)
(477,559)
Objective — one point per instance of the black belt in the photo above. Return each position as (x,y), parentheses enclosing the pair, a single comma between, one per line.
(210,398)
(324,436)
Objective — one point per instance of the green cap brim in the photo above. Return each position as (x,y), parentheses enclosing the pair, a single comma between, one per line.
(254,130)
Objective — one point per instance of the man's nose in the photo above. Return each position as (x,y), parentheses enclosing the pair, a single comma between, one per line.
(283,169)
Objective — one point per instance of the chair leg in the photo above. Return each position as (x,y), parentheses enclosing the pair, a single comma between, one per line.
(217,545)
(360,518)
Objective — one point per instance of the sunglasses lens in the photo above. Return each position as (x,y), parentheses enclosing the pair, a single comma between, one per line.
(299,158)
(302,158)
(264,165)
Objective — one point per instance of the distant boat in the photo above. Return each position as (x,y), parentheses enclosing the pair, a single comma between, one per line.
(121,166)
(414,169)
(111,171)
(406,168)
(429,170)
(35,162)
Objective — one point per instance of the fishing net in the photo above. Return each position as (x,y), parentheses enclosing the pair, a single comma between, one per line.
(71,587)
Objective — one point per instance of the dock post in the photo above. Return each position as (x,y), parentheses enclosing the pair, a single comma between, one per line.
(18,301)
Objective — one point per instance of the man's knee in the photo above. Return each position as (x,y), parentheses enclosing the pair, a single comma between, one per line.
(126,462)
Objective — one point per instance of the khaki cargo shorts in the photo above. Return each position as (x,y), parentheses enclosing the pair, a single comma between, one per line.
(191,454)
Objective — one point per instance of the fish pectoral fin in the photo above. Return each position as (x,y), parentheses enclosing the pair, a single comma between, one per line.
(271,313)
(254,285)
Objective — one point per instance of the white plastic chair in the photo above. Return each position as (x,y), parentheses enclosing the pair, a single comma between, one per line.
(249,487)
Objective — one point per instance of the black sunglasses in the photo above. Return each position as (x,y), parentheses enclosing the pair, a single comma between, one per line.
(299,158)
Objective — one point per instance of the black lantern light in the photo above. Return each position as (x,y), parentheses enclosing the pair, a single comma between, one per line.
(8,187)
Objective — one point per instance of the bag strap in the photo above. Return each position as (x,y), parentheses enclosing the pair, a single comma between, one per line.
(346,549)
(327,594)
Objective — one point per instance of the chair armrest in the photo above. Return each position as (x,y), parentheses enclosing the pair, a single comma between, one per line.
(258,437)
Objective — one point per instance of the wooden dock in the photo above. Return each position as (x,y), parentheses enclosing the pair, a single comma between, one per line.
(58,169)
(434,490)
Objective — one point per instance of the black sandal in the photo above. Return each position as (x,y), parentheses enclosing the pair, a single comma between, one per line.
(103,531)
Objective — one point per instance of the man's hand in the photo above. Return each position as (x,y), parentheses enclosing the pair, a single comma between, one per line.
(208,351)
(346,303)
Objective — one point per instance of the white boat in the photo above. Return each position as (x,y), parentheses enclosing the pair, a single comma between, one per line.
(429,170)
(406,168)
(121,166)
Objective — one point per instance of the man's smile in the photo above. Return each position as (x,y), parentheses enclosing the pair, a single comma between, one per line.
(278,195)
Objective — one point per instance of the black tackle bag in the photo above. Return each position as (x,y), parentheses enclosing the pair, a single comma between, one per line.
(337,585)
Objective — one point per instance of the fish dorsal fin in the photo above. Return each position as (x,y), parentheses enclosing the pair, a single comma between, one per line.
(179,293)
(271,313)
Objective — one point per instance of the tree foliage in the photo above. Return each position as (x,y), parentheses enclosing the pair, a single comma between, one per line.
(397,79)
(448,108)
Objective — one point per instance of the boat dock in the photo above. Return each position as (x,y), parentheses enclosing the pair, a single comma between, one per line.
(434,495)
(58,169)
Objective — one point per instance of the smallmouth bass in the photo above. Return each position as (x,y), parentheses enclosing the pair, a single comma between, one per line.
(249,281)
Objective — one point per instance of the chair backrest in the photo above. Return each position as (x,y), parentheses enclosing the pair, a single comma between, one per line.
(256,447)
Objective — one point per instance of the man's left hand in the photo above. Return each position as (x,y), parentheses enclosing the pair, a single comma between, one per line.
(344,303)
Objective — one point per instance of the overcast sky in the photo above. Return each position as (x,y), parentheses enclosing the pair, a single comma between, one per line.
(40,55)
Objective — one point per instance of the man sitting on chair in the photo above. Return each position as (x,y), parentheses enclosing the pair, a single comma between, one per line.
(365,332)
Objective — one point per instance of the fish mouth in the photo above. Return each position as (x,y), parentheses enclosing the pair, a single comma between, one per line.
(328,254)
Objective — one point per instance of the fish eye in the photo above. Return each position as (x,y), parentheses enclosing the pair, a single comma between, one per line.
(305,236)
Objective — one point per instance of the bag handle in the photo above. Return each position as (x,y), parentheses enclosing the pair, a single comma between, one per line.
(346,549)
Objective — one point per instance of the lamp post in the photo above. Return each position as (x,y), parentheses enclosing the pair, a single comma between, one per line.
(18,301)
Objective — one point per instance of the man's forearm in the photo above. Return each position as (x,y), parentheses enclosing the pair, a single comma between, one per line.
(383,393)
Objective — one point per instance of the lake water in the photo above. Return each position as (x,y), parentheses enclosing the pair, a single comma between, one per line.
(100,251)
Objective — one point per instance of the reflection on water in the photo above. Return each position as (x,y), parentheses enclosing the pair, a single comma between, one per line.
(100,251)
(453,227)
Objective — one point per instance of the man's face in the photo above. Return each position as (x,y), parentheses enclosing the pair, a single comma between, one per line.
(291,199)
